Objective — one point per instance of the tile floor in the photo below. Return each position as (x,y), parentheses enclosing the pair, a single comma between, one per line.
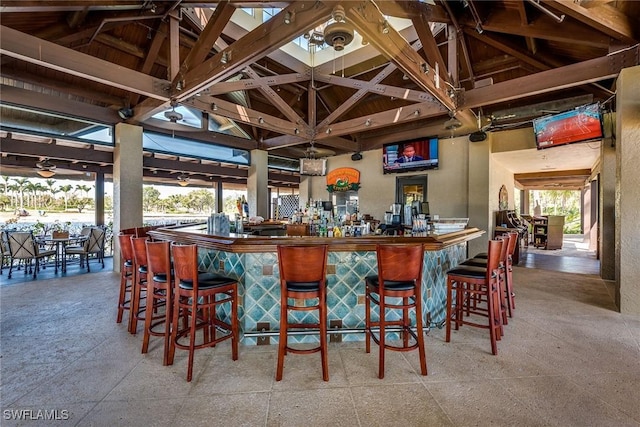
(567,359)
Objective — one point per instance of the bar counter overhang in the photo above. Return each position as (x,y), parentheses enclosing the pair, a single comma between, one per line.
(252,260)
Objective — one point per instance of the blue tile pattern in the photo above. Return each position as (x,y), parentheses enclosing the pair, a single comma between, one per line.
(260,293)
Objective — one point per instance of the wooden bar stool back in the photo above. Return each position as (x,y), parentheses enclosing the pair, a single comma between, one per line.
(399,277)
(303,271)
(198,298)
(510,294)
(159,292)
(126,274)
(139,283)
(482,261)
(466,285)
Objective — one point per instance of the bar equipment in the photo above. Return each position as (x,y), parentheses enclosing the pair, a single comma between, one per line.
(396,211)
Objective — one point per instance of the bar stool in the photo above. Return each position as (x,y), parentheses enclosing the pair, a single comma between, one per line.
(508,270)
(468,284)
(303,271)
(399,276)
(197,298)
(139,282)
(159,292)
(126,274)
(502,276)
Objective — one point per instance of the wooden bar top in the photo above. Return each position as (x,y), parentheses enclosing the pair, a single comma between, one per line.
(244,243)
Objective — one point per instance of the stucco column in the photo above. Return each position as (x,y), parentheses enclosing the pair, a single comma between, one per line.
(257,184)
(480,213)
(628,190)
(127,181)
(606,204)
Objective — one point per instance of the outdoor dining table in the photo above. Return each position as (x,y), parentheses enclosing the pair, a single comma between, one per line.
(60,244)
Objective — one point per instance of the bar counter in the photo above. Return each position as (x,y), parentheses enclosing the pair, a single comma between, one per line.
(252,260)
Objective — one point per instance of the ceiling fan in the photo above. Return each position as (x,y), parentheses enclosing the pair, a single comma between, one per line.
(45,168)
(179,117)
(313,152)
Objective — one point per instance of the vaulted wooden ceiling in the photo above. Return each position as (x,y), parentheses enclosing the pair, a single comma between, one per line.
(480,61)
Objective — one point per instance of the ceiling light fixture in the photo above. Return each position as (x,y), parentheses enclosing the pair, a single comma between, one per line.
(46,169)
(260,120)
(367,123)
(125,113)
(385,27)
(453,123)
(288,17)
(214,107)
(339,33)
(183,180)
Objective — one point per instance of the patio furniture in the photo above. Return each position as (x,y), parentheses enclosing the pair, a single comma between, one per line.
(23,246)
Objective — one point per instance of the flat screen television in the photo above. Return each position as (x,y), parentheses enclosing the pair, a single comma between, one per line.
(578,125)
(409,156)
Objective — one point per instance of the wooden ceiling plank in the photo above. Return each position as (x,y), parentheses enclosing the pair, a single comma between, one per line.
(369,21)
(543,27)
(555,79)
(607,19)
(28,48)
(507,47)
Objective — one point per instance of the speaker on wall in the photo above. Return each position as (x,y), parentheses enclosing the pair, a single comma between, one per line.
(356,156)
(477,136)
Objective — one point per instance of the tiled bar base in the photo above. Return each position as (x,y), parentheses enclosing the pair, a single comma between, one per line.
(258,275)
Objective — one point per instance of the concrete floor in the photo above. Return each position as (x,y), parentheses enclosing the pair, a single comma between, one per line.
(567,359)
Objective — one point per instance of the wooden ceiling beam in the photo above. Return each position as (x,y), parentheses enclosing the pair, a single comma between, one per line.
(50,55)
(246,84)
(275,99)
(430,47)
(211,32)
(54,151)
(373,87)
(380,120)
(371,23)
(506,46)
(555,79)
(259,42)
(543,27)
(248,116)
(362,89)
(607,19)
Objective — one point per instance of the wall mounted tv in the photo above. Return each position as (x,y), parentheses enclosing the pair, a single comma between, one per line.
(578,125)
(410,156)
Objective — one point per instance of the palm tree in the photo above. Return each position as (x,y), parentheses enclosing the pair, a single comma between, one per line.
(84,188)
(21,184)
(6,179)
(65,190)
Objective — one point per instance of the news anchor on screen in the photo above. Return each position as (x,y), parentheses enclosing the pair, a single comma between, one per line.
(408,155)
